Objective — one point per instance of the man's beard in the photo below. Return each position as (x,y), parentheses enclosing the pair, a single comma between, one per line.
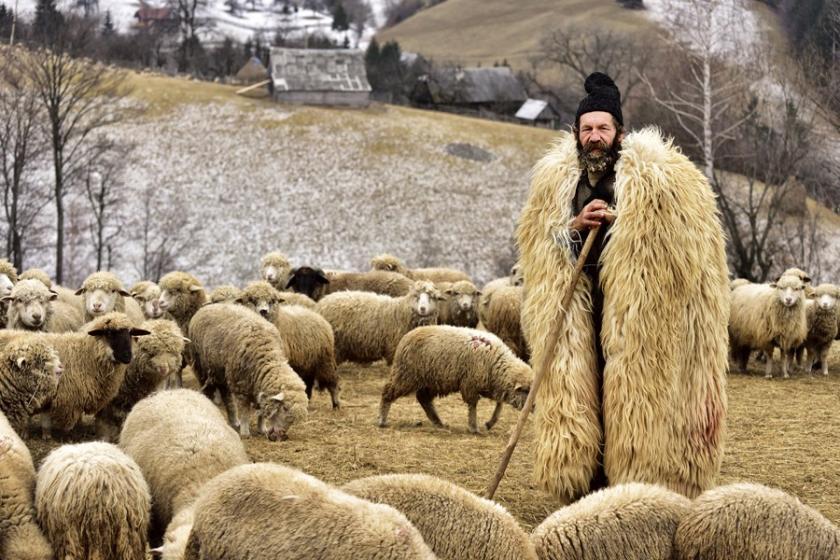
(598,162)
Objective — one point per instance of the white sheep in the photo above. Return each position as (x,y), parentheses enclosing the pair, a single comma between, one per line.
(275,269)
(516,278)
(103,293)
(154,358)
(8,279)
(455,523)
(226,293)
(147,296)
(753,522)
(36,274)
(29,306)
(266,511)
(20,536)
(377,281)
(93,503)
(763,316)
(181,295)
(500,312)
(368,326)
(239,353)
(459,307)
(394,264)
(29,374)
(180,441)
(629,521)
(307,337)
(436,361)
(822,312)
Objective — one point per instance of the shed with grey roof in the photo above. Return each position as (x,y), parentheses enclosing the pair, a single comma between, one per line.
(319,77)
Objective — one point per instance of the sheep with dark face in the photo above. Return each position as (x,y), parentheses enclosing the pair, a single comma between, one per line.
(103,293)
(308,281)
(436,361)
(368,326)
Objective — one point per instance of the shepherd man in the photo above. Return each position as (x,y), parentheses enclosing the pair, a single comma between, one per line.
(636,388)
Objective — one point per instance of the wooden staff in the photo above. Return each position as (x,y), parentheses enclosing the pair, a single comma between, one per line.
(548,358)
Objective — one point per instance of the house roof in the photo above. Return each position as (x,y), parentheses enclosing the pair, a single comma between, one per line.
(318,70)
(150,13)
(475,85)
(534,109)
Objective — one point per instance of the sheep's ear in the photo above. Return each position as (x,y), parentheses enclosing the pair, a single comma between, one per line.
(186,340)
(99,332)
(260,398)
(53,295)
(774,285)
(80,291)
(157,552)
(521,387)
(478,293)
(134,294)
(279,397)
(449,292)
(240,300)
(21,362)
(138,332)
(810,291)
(123,293)
(322,278)
(7,299)
(196,289)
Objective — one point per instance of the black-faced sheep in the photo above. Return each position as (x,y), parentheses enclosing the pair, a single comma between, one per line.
(309,281)
(103,293)
(299,518)
(394,264)
(240,354)
(29,374)
(436,361)
(93,503)
(368,326)
(455,523)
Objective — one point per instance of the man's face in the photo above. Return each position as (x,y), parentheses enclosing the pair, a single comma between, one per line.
(596,131)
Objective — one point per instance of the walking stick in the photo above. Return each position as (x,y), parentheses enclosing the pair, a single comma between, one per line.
(548,358)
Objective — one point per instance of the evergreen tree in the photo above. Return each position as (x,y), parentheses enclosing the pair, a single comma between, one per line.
(6,18)
(108,25)
(372,63)
(48,21)
(249,49)
(340,20)
(346,43)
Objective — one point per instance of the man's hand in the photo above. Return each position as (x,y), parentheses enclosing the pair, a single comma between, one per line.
(592,215)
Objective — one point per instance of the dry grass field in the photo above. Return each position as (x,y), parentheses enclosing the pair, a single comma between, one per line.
(782,433)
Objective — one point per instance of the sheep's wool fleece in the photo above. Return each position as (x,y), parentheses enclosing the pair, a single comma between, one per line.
(664,335)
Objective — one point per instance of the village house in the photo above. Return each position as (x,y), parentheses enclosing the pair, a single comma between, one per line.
(482,91)
(319,77)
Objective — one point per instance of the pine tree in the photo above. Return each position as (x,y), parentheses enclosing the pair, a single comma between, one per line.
(249,49)
(48,21)
(372,63)
(108,26)
(340,20)
(346,43)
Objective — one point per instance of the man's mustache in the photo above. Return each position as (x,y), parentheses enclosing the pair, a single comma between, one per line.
(599,145)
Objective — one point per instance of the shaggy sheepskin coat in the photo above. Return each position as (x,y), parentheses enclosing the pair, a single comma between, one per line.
(664,335)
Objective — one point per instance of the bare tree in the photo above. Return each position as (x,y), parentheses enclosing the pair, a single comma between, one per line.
(78,98)
(190,21)
(104,189)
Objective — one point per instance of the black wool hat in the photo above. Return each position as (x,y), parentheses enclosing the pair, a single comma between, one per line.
(602,95)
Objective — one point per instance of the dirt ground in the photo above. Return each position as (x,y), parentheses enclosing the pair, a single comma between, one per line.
(782,433)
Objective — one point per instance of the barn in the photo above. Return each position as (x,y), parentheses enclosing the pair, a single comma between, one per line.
(319,77)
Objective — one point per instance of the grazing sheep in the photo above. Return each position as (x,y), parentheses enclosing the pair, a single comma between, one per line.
(180,441)
(821,311)
(455,523)
(630,521)
(29,306)
(181,295)
(275,269)
(103,293)
(763,316)
(29,373)
(93,503)
(460,305)
(239,353)
(754,522)
(436,361)
(394,264)
(147,295)
(368,327)
(311,282)
(20,536)
(226,293)
(94,362)
(8,279)
(298,518)
(36,274)
(307,337)
(500,313)
(156,356)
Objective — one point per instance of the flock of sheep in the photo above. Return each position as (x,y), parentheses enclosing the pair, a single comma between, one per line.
(168,463)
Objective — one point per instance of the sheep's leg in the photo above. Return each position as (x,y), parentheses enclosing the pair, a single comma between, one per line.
(334,391)
(823,356)
(768,368)
(384,407)
(390,393)
(244,409)
(46,426)
(472,416)
(260,422)
(495,418)
(785,364)
(309,382)
(424,397)
(230,407)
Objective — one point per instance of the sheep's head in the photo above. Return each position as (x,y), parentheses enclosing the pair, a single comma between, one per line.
(116,330)
(463,297)
(101,291)
(520,377)
(825,296)
(279,412)
(517,276)
(8,277)
(789,289)
(275,269)
(37,274)
(38,367)
(307,280)
(389,263)
(30,300)
(147,295)
(424,298)
(181,294)
(260,297)
(796,273)
(227,293)
(162,347)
